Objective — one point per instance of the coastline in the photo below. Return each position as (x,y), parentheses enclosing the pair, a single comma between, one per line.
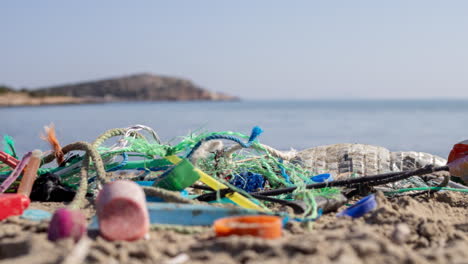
(23,99)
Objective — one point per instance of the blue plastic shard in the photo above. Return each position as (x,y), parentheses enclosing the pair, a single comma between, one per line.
(325,177)
(144,183)
(187,214)
(360,208)
(36,215)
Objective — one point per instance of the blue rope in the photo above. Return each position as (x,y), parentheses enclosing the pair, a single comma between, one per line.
(256,131)
(283,172)
(122,164)
(248,181)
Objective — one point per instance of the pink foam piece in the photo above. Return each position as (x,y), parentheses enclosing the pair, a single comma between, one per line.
(122,211)
(67,223)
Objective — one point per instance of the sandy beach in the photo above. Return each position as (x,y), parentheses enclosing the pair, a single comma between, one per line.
(423,229)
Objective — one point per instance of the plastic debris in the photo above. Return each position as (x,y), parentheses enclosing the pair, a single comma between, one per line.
(8,159)
(30,173)
(264,226)
(459,168)
(187,214)
(121,210)
(12,204)
(459,150)
(360,208)
(248,181)
(15,173)
(325,177)
(178,178)
(214,167)
(216,185)
(36,215)
(67,223)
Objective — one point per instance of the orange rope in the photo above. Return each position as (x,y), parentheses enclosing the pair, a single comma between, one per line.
(54,143)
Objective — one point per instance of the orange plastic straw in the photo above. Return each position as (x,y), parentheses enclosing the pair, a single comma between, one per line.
(30,173)
(264,226)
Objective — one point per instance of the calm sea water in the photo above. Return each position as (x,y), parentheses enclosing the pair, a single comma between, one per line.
(429,126)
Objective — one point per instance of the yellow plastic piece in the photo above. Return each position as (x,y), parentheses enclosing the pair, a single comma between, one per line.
(216,185)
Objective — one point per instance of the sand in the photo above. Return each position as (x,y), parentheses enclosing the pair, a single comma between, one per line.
(423,229)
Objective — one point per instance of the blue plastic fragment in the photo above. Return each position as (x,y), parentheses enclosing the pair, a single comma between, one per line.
(325,177)
(121,165)
(360,208)
(36,215)
(187,214)
(248,181)
(154,199)
(144,183)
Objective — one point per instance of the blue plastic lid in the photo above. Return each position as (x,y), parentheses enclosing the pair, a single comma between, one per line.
(360,208)
(322,177)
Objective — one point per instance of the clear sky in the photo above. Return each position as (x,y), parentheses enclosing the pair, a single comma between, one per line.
(254,49)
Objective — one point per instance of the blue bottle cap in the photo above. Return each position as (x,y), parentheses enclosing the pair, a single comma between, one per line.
(360,208)
(322,177)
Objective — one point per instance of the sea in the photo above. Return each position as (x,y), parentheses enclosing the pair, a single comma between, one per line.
(432,126)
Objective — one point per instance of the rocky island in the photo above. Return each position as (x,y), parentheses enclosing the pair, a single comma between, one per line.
(138,87)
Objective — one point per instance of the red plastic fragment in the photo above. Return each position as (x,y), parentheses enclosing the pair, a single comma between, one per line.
(8,159)
(459,150)
(12,204)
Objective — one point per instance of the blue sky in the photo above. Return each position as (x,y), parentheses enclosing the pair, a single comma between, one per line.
(254,49)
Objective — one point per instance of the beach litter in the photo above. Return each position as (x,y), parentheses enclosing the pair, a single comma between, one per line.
(226,181)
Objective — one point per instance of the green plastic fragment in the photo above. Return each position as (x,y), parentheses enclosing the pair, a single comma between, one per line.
(178,178)
(9,145)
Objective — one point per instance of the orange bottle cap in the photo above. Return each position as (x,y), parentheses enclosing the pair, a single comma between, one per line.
(264,226)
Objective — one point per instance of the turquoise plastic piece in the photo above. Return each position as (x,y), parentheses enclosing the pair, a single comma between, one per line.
(36,215)
(187,214)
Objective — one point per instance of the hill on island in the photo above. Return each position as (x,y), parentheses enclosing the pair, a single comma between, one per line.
(138,87)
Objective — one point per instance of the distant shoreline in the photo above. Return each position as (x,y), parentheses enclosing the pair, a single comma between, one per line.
(19,99)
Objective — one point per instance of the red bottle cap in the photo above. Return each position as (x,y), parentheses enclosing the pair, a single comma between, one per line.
(12,204)
(459,150)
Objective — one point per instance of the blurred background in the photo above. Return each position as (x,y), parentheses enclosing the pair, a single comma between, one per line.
(310,73)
